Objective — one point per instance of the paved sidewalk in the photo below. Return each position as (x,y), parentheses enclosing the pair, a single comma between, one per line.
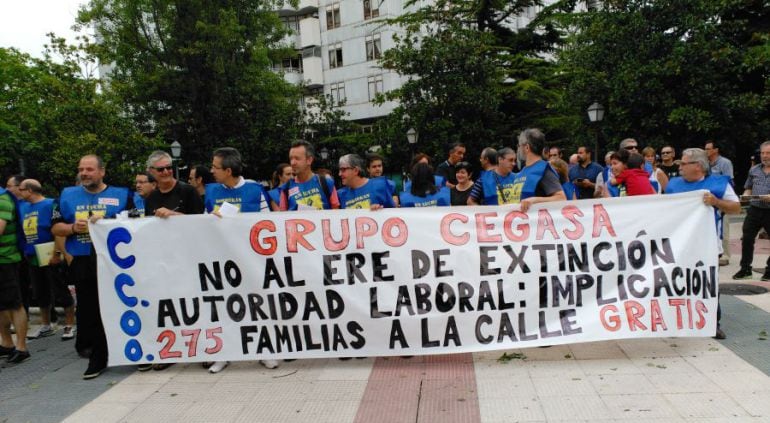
(642,380)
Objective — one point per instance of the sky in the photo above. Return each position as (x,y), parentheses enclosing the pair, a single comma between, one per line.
(24,23)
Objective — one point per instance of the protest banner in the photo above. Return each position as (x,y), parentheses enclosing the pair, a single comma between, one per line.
(405,281)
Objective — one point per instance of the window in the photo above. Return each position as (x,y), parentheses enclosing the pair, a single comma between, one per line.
(371,8)
(335,56)
(375,86)
(332,16)
(311,52)
(291,22)
(292,64)
(338,92)
(373,47)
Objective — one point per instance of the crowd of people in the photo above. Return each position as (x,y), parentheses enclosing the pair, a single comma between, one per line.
(525,174)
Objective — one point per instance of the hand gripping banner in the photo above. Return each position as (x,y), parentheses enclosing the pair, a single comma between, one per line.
(405,281)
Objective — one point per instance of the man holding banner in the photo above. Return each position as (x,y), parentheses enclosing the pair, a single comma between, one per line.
(78,206)
(230,187)
(694,169)
(537,182)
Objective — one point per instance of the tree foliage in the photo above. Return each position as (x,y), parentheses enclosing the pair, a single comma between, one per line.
(52,114)
(199,72)
(675,72)
(473,77)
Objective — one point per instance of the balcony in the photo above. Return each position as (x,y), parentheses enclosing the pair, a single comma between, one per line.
(304,6)
(313,74)
(309,32)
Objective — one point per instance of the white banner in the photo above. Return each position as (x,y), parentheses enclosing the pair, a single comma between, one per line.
(405,281)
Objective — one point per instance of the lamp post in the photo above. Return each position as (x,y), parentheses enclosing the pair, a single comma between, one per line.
(176,153)
(411,137)
(595,116)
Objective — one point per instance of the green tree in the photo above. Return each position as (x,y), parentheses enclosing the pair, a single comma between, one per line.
(473,78)
(675,72)
(52,114)
(199,72)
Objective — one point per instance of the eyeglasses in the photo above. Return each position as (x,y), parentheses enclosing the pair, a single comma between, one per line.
(631,147)
(216,167)
(163,168)
(344,169)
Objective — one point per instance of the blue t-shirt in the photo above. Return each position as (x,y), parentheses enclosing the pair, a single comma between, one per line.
(374,191)
(249,197)
(77,203)
(36,223)
(309,194)
(437,199)
(590,172)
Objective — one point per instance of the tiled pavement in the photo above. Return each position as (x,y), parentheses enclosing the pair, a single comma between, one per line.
(644,380)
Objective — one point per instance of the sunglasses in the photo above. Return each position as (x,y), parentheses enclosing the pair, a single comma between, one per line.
(631,147)
(162,168)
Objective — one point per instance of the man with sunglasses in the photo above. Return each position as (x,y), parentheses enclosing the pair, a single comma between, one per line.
(171,196)
(667,162)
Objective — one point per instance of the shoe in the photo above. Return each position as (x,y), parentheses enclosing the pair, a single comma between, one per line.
(270,364)
(18,356)
(41,332)
(744,273)
(68,333)
(161,366)
(720,334)
(144,367)
(218,366)
(724,261)
(6,351)
(93,371)
(766,276)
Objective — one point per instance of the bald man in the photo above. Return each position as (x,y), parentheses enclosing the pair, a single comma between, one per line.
(36,213)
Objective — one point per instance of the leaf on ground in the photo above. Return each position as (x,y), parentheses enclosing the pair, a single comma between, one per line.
(512,356)
(568,356)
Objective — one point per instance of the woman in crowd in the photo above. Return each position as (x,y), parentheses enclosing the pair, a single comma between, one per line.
(658,177)
(563,170)
(423,191)
(281,175)
(459,194)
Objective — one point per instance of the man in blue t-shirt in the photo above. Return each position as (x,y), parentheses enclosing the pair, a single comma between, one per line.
(305,190)
(361,192)
(585,173)
(78,207)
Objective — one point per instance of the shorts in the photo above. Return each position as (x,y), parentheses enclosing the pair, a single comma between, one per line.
(10,292)
(47,284)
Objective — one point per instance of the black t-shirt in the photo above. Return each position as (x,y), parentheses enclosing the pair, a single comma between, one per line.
(459,198)
(447,170)
(183,198)
(670,171)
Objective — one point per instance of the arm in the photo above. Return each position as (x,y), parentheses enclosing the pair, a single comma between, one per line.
(477,193)
(728,204)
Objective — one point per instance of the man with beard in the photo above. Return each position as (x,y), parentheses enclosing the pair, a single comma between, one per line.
(537,182)
(78,206)
(584,174)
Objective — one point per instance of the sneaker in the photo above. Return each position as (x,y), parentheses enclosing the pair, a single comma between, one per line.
(41,332)
(218,366)
(270,364)
(744,273)
(6,351)
(766,275)
(161,366)
(93,371)
(18,356)
(68,333)
(720,334)
(144,367)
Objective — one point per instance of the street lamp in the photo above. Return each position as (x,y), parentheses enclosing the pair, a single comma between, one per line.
(176,153)
(596,115)
(411,136)
(324,153)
